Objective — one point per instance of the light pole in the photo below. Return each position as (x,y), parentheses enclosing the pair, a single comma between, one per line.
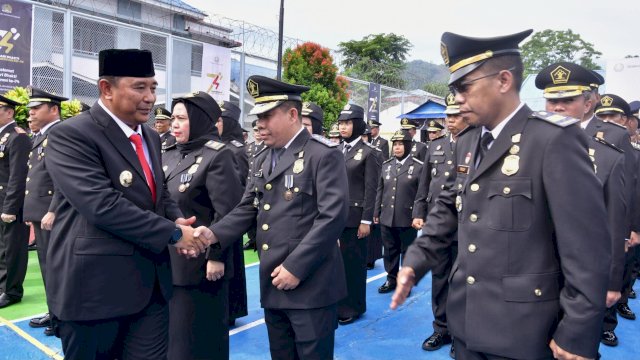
(280,35)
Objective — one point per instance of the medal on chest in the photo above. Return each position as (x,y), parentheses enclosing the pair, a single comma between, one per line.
(288,184)
(358,155)
(511,163)
(298,165)
(185,179)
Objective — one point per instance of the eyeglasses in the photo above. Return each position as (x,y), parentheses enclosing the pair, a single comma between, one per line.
(463,86)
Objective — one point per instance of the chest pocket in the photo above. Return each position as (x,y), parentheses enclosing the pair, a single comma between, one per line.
(510,205)
(304,194)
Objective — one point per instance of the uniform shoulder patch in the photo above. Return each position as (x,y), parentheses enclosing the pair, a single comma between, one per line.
(418,161)
(19,130)
(371,145)
(215,145)
(236,143)
(390,159)
(553,118)
(636,146)
(323,141)
(604,142)
(259,152)
(170,147)
(616,124)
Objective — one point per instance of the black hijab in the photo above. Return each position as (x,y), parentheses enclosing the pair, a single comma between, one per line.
(358,129)
(203,113)
(231,130)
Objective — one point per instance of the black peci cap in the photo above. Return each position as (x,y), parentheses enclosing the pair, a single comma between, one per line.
(126,62)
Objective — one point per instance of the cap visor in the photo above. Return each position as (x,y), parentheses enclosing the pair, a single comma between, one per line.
(562,94)
(263,108)
(34,104)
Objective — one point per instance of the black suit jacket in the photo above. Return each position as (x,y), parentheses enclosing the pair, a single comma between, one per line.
(396,192)
(167,140)
(14,147)
(382,144)
(108,244)
(300,233)
(439,165)
(363,169)
(418,150)
(39,193)
(534,246)
(212,192)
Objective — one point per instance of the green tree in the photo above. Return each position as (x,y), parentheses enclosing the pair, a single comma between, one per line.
(437,88)
(551,46)
(378,58)
(312,65)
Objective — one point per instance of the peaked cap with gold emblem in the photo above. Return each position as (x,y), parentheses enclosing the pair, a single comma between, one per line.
(565,80)
(334,132)
(38,97)
(6,102)
(313,111)
(270,93)
(229,110)
(452,107)
(401,135)
(406,123)
(433,125)
(161,114)
(463,54)
(612,104)
(351,111)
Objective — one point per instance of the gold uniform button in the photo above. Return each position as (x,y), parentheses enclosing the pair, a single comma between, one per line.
(449,162)
(296,189)
(442,187)
(268,186)
(446,173)
(391,206)
(471,280)
(1,187)
(393,197)
(473,217)
(475,187)
(26,192)
(459,186)
(50,192)
(28,179)
(506,190)
(393,188)
(538,292)
(265,227)
(266,207)
(472,248)
(265,247)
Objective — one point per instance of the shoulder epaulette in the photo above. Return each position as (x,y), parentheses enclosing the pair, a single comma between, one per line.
(386,161)
(605,142)
(323,141)
(215,145)
(555,119)
(370,145)
(418,161)
(236,143)
(614,123)
(19,130)
(170,147)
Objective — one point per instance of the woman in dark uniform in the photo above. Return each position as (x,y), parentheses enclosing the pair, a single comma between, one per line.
(228,126)
(362,172)
(199,180)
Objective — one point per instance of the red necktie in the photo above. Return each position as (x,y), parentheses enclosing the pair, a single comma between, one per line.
(137,141)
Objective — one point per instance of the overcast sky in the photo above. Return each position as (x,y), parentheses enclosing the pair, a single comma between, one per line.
(612,26)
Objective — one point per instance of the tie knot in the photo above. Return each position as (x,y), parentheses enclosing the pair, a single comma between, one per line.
(347,146)
(136,139)
(487,138)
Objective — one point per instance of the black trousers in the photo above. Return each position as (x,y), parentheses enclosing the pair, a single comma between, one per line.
(462,353)
(610,321)
(301,334)
(42,240)
(396,240)
(629,276)
(354,256)
(374,244)
(198,321)
(14,255)
(440,288)
(139,336)
(238,284)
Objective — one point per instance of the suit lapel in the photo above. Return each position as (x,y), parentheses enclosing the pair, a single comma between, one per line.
(503,143)
(289,156)
(354,150)
(185,163)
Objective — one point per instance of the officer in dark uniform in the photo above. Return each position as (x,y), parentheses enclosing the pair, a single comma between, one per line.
(39,200)
(14,234)
(377,140)
(230,132)
(162,125)
(531,285)
(374,240)
(434,129)
(567,90)
(363,169)
(418,148)
(439,166)
(397,188)
(312,118)
(253,149)
(613,109)
(198,179)
(109,278)
(295,180)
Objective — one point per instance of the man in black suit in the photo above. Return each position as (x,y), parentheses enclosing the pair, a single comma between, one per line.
(162,125)
(108,270)
(39,200)
(297,180)
(14,234)
(377,140)
(531,275)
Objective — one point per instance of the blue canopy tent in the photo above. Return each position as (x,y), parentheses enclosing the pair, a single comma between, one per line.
(428,110)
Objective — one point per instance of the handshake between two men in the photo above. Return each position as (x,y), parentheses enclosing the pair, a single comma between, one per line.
(194,241)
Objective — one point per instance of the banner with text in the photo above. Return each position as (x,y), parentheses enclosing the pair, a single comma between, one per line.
(373,107)
(15,44)
(216,71)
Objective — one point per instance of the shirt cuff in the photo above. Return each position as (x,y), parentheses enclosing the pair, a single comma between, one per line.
(365,222)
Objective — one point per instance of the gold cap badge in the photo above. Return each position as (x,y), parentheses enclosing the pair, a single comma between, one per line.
(252,86)
(560,75)
(606,101)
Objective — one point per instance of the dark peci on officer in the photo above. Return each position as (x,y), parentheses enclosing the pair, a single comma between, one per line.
(567,91)
(397,188)
(297,180)
(199,179)
(418,148)
(531,284)
(363,167)
(14,234)
(39,200)
(228,125)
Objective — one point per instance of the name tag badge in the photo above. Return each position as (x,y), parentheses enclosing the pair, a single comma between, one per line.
(463,169)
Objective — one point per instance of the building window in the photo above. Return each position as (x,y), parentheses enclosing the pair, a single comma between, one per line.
(178,22)
(157,45)
(89,37)
(196,60)
(130,9)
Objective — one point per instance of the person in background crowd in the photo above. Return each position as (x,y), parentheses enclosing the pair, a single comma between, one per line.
(377,140)
(162,125)
(418,149)
(312,118)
